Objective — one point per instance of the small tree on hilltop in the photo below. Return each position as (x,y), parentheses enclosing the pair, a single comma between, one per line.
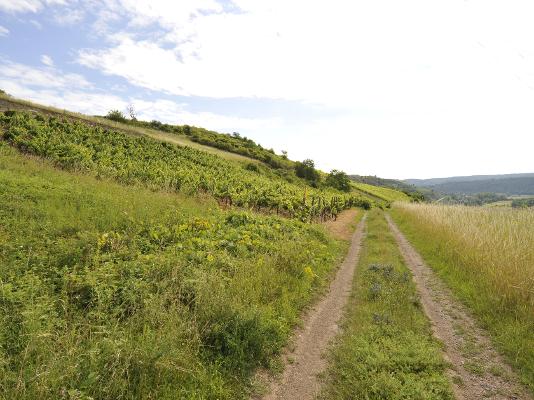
(339,180)
(131,112)
(116,115)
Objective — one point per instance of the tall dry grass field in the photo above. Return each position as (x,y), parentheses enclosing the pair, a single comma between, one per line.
(486,255)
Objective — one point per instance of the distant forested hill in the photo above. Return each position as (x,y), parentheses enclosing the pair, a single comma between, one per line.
(511,184)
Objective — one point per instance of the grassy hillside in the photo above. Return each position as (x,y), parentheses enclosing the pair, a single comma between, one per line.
(234,143)
(139,160)
(390,183)
(486,255)
(384,193)
(119,291)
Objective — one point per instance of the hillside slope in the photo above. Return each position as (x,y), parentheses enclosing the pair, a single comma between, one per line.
(230,147)
(148,294)
(133,159)
(9,103)
(384,193)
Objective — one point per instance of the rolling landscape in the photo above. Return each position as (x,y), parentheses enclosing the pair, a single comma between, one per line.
(169,247)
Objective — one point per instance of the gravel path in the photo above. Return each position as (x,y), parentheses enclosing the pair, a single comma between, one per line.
(299,380)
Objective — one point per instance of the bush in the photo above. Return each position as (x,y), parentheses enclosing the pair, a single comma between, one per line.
(116,115)
(306,170)
(338,180)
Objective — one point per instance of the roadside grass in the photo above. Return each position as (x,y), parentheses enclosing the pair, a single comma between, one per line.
(486,256)
(110,291)
(385,349)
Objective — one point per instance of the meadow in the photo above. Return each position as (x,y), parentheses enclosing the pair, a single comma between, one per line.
(486,256)
(123,292)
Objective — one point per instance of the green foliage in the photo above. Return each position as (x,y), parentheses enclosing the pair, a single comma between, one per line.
(477,199)
(386,349)
(117,116)
(139,160)
(338,180)
(523,203)
(306,170)
(118,292)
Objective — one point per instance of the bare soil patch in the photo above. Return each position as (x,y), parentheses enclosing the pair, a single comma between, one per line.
(299,380)
(343,226)
(477,371)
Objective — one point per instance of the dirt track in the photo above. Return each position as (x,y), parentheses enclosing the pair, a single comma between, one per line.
(477,371)
(299,380)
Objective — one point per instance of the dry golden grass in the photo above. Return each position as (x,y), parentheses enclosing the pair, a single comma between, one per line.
(497,242)
(486,255)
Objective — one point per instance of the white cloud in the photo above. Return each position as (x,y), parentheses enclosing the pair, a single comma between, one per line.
(36,24)
(167,13)
(420,87)
(172,112)
(41,77)
(403,72)
(69,16)
(22,6)
(349,54)
(3,31)
(47,60)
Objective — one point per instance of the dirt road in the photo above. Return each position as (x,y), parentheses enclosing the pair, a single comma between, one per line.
(299,379)
(477,371)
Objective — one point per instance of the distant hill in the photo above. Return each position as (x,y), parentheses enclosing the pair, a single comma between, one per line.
(510,184)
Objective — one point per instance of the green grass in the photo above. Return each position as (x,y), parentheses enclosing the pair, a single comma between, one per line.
(119,292)
(387,194)
(386,349)
(486,256)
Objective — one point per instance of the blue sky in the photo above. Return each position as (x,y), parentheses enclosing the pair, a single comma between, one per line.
(408,89)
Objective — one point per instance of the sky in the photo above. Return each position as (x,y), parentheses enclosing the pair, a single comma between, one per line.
(397,89)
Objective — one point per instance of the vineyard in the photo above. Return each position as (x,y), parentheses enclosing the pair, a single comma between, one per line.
(138,160)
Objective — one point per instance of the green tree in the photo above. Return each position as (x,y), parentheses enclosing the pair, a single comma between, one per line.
(339,180)
(306,170)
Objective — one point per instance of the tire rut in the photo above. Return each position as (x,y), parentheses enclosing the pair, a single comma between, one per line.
(299,380)
(477,371)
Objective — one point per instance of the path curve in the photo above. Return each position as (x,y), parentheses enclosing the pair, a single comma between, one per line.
(477,370)
(299,380)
